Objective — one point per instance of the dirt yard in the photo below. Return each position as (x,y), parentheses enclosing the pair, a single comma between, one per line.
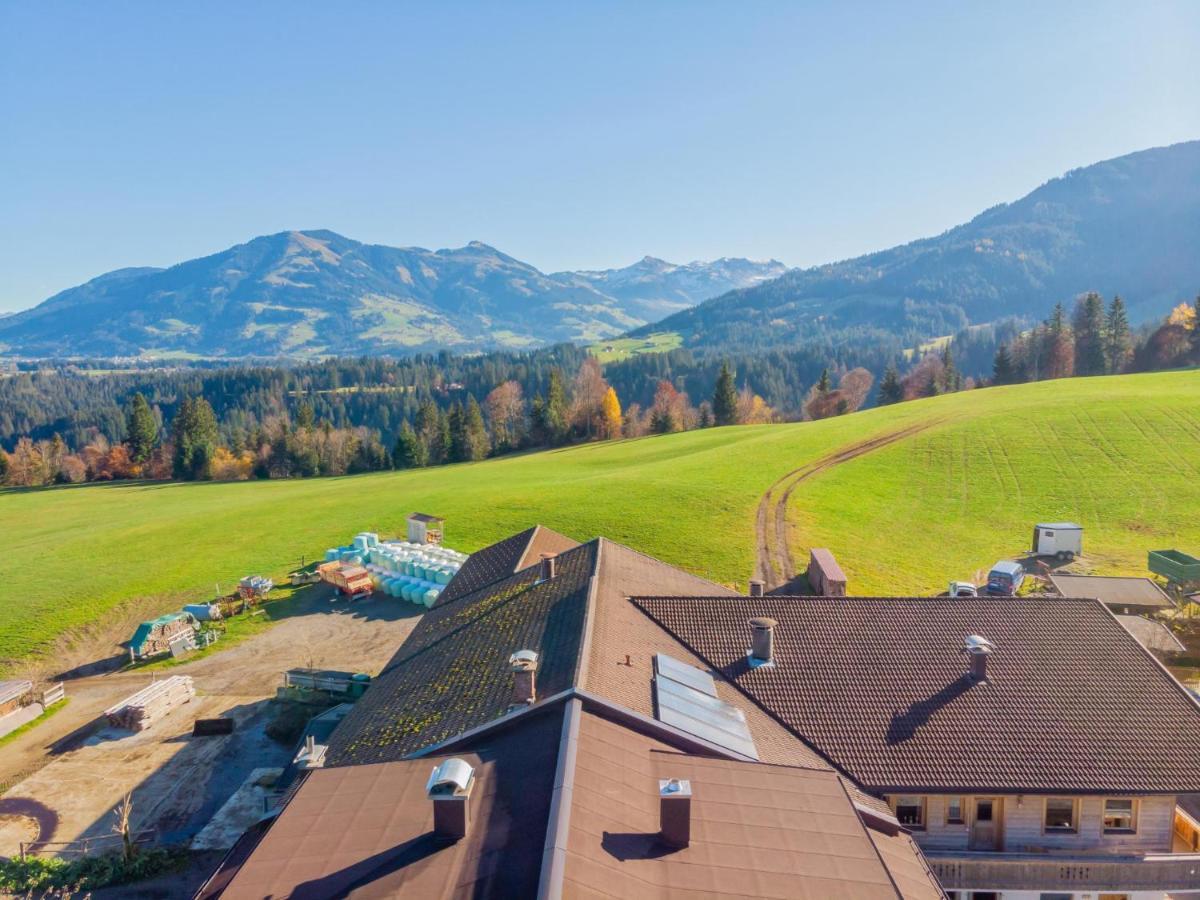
(68,774)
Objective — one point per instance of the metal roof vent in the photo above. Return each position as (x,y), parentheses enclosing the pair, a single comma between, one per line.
(762,642)
(524,665)
(979,649)
(449,787)
(675,812)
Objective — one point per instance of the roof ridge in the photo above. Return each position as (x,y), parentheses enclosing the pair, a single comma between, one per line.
(655,559)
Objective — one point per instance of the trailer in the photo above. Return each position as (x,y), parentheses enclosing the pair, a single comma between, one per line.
(353,581)
(1175,566)
(1062,540)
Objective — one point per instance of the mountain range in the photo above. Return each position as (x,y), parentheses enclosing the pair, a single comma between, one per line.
(312,293)
(1128,226)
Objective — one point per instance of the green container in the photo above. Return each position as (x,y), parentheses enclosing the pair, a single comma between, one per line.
(1175,565)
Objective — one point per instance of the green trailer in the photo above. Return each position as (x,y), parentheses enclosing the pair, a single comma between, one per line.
(1175,566)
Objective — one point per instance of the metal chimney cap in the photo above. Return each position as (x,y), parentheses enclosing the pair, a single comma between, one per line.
(453,776)
(523,660)
(674,787)
(763,622)
(977,644)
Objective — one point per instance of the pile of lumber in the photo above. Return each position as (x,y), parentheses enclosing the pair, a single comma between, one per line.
(151,704)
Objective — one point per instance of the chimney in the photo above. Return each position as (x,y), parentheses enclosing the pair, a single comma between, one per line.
(762,641)
(756,588)
(549,566)
(979,649)
(524,664)
(675,812)
(449,788)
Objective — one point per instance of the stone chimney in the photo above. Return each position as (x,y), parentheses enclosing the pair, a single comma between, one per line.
(524,666)
(675,812)
(757,587)
(449,789)
(978,648)
(762,641)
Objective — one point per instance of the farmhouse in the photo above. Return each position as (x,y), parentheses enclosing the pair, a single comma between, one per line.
(627,729)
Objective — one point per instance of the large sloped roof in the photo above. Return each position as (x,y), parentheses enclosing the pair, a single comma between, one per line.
(503,558)
(587,769)
(880,686)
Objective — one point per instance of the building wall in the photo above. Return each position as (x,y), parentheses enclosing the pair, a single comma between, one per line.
(1076,895)
(1023,817)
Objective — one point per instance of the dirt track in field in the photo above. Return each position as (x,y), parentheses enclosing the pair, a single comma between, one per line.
(775,565)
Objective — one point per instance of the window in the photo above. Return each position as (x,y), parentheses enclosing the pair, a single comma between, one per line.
(954,811)
(910,811)
(1060,814)
(1118,816)
(1056,896)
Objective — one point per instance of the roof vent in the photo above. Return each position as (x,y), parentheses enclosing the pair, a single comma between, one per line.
(757,588)
(549,566)
(449,787)
(524,665)
(675,812)
(979,649)
(762,642)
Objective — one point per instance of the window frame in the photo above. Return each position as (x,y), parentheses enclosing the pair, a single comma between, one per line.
(922,804)
(962,811)
(1073,828)
(1133,816)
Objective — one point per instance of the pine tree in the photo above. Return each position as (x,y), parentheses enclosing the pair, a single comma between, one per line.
(194,433)
(457,422)
(410,452)
(1090,355)
(1117,338)
(556,409)
(724,402)
(3,466)
(141,429)
(823,384)
(951,379)
(475,434)
(306,418)
(1196,327)
(890,389)
(1002,366)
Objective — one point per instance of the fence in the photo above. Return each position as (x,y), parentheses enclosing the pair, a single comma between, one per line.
(53,694)
(84,846)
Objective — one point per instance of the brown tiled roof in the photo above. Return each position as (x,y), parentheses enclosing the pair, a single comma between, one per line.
(452,673)
(503,558)
(590,772)
(366,831)
(757,830)
(1072,704)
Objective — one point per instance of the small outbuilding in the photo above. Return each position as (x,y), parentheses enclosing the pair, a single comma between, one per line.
(825,576)
(424,529)
(1126,596)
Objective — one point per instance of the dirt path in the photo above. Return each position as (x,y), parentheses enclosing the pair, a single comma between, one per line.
(775,565)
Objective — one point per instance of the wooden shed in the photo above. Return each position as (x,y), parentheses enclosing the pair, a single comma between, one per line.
(425,529)
(825,576)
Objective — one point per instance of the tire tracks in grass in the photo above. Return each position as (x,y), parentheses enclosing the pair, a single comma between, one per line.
(775,565)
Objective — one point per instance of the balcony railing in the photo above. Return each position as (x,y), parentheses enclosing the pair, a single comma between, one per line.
(969,870)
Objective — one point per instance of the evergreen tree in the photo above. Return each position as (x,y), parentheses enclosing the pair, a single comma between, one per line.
(194,433)
(410,452)
(1196,326)
(1002,366)
(823,384)
(890,389)
(3,466)
(475,436)
(931,389)
(1090,356)
(1117,337)
(951,378)
(141,429)
(556,411)
(724,402)
(306,418)
(456,423)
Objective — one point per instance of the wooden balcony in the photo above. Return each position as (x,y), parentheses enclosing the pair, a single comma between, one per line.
(966,870)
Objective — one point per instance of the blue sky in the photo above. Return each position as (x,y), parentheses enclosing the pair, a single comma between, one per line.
(568,135)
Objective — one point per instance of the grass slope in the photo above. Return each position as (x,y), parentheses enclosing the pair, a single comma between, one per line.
(1121,455)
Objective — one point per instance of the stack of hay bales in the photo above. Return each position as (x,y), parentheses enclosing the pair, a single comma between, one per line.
(414,572)
(151,704)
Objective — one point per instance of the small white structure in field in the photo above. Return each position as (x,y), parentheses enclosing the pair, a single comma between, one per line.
(1062,540)
(424,529)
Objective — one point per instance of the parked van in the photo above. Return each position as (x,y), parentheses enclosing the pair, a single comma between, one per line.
(1062,540)
(1005,578)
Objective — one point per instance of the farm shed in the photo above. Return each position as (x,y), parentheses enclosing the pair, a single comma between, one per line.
(825,576)
(14,695)
(424,529)
(157,635)
(1121,595)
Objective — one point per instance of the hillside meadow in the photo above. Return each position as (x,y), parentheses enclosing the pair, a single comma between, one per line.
(1121,455)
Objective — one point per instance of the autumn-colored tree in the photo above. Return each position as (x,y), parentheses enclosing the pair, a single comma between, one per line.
(505,410)
(670,410)
(587,393)
(752,409)
(227,466)
(854,386)
(1060,347)
(610,414)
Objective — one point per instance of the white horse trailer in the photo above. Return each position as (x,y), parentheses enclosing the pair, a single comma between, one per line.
(1062,540)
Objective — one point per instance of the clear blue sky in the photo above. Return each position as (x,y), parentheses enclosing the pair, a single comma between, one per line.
(567,135)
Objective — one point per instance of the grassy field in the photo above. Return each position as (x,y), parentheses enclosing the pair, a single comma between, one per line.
(615,349)
(1121,455)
